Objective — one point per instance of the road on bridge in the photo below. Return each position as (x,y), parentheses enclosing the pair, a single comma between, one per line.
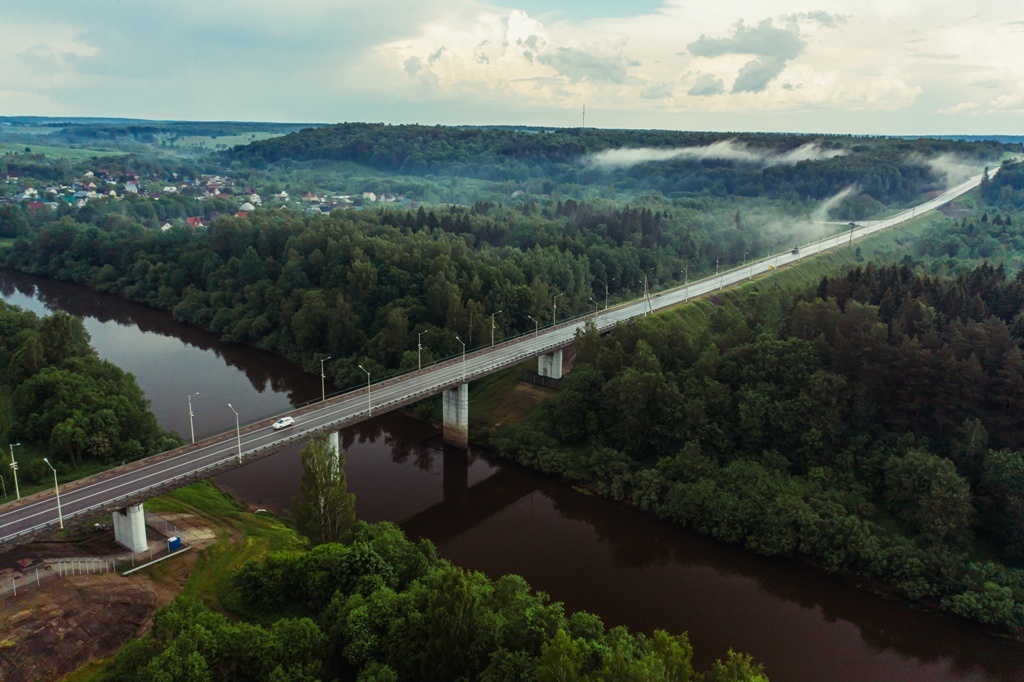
(141,480)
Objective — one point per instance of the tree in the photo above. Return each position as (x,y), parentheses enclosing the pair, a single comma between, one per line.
(326,512)
(926,492)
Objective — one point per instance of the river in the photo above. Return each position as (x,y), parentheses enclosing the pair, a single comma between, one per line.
(485,514)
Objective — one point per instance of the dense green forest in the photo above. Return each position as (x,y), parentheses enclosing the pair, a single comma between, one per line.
(887,171)
(381,608)
(874,426)
(61,401)
(358,285)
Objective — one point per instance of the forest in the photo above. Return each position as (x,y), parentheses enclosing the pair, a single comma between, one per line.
(358,285)
(61,401)
(379,608)
(872,425)
(794,168)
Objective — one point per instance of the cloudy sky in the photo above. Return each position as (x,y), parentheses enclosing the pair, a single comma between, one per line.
(861,66)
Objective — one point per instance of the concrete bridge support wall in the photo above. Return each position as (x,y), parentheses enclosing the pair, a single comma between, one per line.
(456,416)
(550,364)
(130,528)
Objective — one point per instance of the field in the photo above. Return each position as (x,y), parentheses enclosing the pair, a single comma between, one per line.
(69,153)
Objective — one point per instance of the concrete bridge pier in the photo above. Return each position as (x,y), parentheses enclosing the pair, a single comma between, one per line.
(130,528)
(550,364)
(456,416)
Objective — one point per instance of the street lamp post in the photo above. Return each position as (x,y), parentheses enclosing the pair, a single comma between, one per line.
(4,484)
(238,433)
(369,405)
(323,389)
(463,356)
(191,424)
(554,310)
(686,283)
(419,348)
(716,274)
(597,307)
(492,326)
(606,293)
(60,515)
(536,326)
(14,471)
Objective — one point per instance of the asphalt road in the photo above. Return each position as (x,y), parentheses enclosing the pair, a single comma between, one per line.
(136,482)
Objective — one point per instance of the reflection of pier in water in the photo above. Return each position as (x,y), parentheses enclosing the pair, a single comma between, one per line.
(465,506)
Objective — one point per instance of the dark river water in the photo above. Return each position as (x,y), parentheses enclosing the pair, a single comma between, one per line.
(485,514)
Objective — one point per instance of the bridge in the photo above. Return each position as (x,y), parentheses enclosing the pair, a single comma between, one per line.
(122,490)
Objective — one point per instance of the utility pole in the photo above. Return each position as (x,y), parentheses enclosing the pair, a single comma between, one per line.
(369,405)
(554,310)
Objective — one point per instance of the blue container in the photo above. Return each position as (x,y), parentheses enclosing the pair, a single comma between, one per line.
(173,543)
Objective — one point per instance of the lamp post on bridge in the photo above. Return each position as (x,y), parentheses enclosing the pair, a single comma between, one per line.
(369,405)
(554,310)
(14,471)
(419,348)
(492,326)
(686,282)
(56,489)
(606,293)
(463,357)
(238,433)
(323,390)
(536,326)
(191,425)
(597,307)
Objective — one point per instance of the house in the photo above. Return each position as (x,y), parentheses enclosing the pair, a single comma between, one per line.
(194,222)
(255,199)
(282,195)
(131,187)
(369,196)
(242,214)
(165,227)
(247,207)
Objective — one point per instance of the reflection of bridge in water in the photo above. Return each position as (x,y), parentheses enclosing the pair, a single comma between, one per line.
(465,506)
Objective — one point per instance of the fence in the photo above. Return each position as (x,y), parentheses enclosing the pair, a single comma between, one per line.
(35,576)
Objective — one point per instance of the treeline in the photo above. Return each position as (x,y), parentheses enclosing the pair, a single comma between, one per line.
(359,286)
(61,401)
(875,426)
(886,170)
(382,608)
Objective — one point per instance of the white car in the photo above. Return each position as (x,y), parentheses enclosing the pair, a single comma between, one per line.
(283,422)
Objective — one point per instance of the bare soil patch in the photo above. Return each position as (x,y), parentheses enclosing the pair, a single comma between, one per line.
(51,630)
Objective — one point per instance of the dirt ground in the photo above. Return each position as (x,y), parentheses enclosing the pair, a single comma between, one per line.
(51,630)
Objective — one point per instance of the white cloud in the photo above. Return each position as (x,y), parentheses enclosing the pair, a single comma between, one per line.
(754,64)
(962,108)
